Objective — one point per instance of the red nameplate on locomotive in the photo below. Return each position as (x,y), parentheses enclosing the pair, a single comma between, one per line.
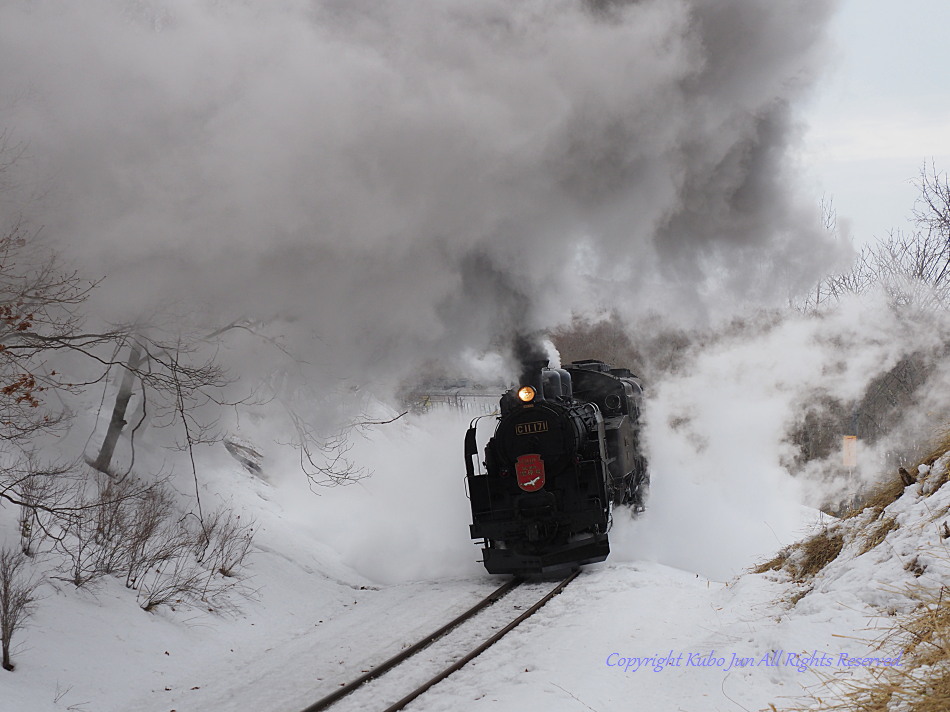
(530,472)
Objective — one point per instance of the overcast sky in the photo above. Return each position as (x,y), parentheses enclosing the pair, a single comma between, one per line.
(881,110)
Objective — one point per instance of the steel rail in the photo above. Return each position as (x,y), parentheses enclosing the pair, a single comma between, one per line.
(392,662)
(481,648)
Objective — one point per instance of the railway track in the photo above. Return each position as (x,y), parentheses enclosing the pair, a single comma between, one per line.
(433,658)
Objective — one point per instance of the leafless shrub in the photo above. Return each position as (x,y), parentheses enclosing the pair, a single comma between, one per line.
(113,525)
(41,492)
(111,520)
(16,598)
(152,536)
(183,580)
(224,542)
(89,531)
(324,458)
(912,269)
(136,533)
(202,565)
(179,580)
(77,542)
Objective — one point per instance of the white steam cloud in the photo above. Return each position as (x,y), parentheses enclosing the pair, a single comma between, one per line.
(407,522)
(406,180)
(727,487)
(726,484)
(389,184)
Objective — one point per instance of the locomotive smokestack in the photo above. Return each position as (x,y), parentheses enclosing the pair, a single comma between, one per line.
(531,375)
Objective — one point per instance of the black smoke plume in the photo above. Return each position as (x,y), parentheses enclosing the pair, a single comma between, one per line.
(531,357)
(384,183)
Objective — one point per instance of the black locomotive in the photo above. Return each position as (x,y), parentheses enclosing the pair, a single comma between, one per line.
(565,450)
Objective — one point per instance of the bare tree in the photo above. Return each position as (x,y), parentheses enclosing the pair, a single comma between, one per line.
(323,447)
(16,598)
(41,325)
(99,523)
(932,210)
(117,423)
(38,320)
(44,493)
(911,268)
(177,387)
(830,289)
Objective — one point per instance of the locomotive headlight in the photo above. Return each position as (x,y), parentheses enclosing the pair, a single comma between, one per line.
(526,394)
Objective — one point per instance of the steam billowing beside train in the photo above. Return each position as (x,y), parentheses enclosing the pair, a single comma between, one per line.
(565,450)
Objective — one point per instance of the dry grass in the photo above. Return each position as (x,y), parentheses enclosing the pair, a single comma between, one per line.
(941,447)
(926,633)
(935,481)
(877,532)
(921,683)
(915,567)
(806,558)
(880,496)
(775,564)
(799,595)
(934,697)
(889,490)
(816,553)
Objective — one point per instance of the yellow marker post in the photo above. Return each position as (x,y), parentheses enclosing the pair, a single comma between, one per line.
(849,451)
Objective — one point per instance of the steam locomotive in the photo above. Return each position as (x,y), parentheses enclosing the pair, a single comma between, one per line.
(566,449)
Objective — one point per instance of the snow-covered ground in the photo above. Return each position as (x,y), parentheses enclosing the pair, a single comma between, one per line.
(331,599)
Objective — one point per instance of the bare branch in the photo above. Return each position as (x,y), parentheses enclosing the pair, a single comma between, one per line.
(16,598)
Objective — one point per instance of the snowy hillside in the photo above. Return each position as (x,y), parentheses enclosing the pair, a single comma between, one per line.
(341,584)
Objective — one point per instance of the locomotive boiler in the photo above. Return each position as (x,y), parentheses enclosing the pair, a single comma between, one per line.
(565,452)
